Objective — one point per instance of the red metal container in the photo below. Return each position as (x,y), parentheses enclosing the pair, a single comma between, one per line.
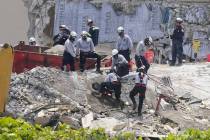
(34,60)
(19,63)
(28,57)
(208,58)
(53,61)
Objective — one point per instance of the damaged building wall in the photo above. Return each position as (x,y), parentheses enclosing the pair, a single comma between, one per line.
(76,13)
(140,18)
(41,20)
(196,25)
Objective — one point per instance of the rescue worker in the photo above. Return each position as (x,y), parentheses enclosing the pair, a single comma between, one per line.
(140,89)
(124,43)
(119,63)
(61,37)
(93,31)
(85,48)
(140,50)
(32,41)
(111,82)
(69,52)
(177,40)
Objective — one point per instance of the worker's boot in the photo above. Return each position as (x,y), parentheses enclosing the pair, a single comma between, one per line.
(172,64)
(134,106)
(140,116)
(122,104)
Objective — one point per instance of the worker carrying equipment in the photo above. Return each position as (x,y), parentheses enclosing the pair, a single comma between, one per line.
(93,31)
(69,52)
(119,63)
(85,48)
(139,88)
(124,43)
(61,37)
(141,48)
(6,62)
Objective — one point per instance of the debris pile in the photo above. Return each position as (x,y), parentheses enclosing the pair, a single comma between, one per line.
(44,92)
(48,96)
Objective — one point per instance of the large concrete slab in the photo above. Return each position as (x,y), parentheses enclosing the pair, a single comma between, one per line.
(190,78)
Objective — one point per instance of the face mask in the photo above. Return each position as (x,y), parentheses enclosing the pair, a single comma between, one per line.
(84,37)
(115,56)
(121,34)
(72,39)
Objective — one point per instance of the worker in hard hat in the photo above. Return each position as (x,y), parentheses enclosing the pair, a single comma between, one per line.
(62,36)
(124,43)
(141,48)
(69,52)
(140,89)
(177,41)
(93,31)
(85,48)
(32,41)
(111,83)
(119,63)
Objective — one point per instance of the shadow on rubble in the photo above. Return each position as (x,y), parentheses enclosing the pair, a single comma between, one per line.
(100,103)
(105,99)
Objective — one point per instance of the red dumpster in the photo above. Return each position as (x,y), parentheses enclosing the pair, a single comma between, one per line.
(29,57)
(19,63)
(53,61)
(34,60)
(208,58)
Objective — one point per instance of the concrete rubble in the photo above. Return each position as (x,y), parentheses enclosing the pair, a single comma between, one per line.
(47,96)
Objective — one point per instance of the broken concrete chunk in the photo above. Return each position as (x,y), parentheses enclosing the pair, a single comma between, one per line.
(108,124)
(87,120)
(165,105)
(119,126)
(74,123)
(41,114)
(206,104)
(44,120)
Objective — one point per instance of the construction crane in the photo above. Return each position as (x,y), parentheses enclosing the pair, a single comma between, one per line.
(6,62)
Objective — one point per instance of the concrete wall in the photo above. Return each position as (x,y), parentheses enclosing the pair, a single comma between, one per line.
(147,19)
(142,23)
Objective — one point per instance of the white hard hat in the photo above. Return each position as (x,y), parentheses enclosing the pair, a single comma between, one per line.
(179,20)
(89,20)
(73,34)
(114,52)
(63,26)
(32,39)
(120,29)
(84,33)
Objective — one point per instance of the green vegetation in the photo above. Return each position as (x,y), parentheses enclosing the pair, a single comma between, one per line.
(191,134)
(11,129)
